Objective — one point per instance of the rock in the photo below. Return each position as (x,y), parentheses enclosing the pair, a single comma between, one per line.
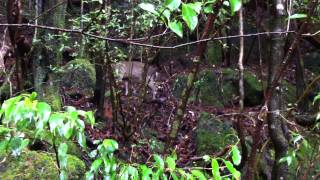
(214,52)
(212,134)
(311,62)
(206,89)
(253,90)
(52,97)
(39,165)
(219,88)
(80,74)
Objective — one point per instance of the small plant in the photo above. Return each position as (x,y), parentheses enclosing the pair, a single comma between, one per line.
(24,118)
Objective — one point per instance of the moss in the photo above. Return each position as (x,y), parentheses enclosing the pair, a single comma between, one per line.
(79,73)
(39,165)
(289,92)
(214,52)
(52,97)
(212,134)
(253,89)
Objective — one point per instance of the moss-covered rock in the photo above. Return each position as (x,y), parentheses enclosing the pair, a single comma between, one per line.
(214,52)
(80,74)
(253,90)
(212,134)
(205,89)
(219,89)
(39,165)
(52,97)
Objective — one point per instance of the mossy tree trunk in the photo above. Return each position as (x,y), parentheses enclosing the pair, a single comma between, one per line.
(46,53)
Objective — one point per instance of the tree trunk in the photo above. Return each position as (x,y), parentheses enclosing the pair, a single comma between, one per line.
(276,124)
(46,53)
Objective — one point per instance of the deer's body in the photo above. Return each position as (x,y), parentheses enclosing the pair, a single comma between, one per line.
(134,71)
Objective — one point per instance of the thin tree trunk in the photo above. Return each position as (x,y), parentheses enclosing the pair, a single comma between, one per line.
(192,76)
(276,124)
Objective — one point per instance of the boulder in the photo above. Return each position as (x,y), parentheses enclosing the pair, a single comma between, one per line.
(79,74)
(213,134)
(39,165)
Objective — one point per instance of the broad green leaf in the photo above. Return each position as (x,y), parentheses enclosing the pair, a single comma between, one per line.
(176,27)
(171,163)
(55,120)
(9,106)
(208,9)
(67,130)
(189,16)
(110,145)
(90,117)
(174,176)
(172,4)
(4,130)
(96,165)
(82,139)
(159,161)
(236,156)
(215,169)
(133,172)
(33,96)
(196,6)
(235,6)
(149,7)
(146,172)
(297,16)
(124,175)
(198,174)
(236,174)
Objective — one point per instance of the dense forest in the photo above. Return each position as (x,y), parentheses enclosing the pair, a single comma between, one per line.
(160,89)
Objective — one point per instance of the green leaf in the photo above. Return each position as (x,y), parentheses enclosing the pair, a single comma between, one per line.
(133,172)
(189,16)
(82,139)
(235,6)
(146,172)
(171,163)
(55,120)
(198,174)
(236,174)
(172,4)
(33,96)
(297,16)
(236,156)
(148,7)
(124,174)
(215,169)
(176,27)
(208,9)
(62,153)
(110,145)
(90,117)
(196,6)
(96,165)
(159,161)
(317,98)
(67,130)
(4,130)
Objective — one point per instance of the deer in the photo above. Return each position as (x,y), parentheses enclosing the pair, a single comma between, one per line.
(126,70)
